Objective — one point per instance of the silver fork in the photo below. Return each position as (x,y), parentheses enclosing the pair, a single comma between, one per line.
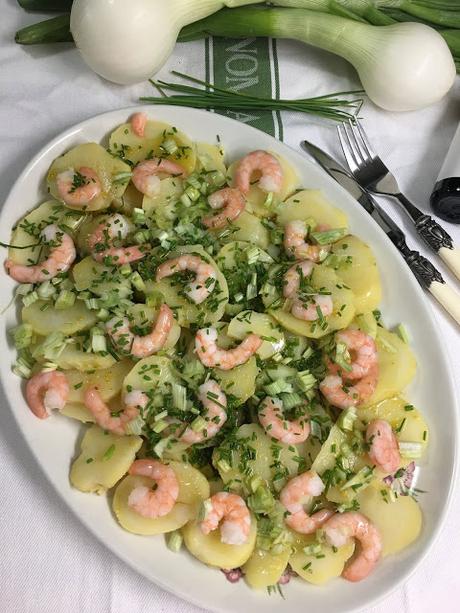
(372,174)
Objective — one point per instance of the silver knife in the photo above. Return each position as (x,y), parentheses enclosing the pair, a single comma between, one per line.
(425,272)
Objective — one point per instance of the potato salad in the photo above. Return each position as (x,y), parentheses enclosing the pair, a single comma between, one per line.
(215,327)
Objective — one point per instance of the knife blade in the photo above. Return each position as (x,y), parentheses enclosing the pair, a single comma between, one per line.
(425,272)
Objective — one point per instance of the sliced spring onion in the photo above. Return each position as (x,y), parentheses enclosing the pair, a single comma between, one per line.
(135,426)
(192,193)
(411,449)
(174,541)
(251,291)
(223,466)
(262,500)
(329,236)
(51,347)
(46,290)
(169,145)
(30,298)
(179,394)
(23,289)
(291,400)
(278,387)
(205,509)
(347,419)
(22,368)
(22,336)
(313,549)
(137,282)
(198,424)
(98,340)
(160,426)
(125,270)
(305,380)
(162,445)
(342,357)
(65,300)
(360,481)
(402,332)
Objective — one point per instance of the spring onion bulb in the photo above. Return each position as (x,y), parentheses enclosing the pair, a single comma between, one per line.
(403,67)
(128,42)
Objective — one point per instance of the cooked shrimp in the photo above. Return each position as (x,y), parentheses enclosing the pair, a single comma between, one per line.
(59,260)
(205,279)
(213,356)
(141,346)
(47,391)
(384,448)
(232,509)
(298,492)
(344,526)
(104,416)
(343,396)
(78,187)
(145,175)
(271,179)
(294,275)
(295,244)
(363,352)
(308,310)
(138,122)
(271,419)
(154,503)
(115,227)
(232,203)
(214,400)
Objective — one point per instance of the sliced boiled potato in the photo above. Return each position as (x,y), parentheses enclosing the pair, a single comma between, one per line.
(248,227)
(107,381)
(73,358)
(193,489)
(323,279)
(256,196)
(240,381)
(399,522)
(330,450)
(187,312)
(311,204)
(397,366)
(106,166)
(256,455)
(408,423)
(250,322)
(321,568)
(265,568)
(131,521)
(144,317)
(78,411)
(104,459)
(26,232)
(210,158)
(208,548)
(128,146)
(85,231)
(45,319)
(100,279)
(150,373)
(360,274)
(130,200)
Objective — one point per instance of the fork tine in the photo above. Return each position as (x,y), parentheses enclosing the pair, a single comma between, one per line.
(365,140)
(347,148)
(358,143)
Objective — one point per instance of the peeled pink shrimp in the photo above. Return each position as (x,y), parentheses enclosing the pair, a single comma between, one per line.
(145,175)
(343,396)
(138,122)
(343,527)
(298,492)
(303,308)
(47,391)
(213,356)
(112,228)
(232,203)
(293,276)
(103,414)
(141,346)
(236,524)
(205,279)
(263,162)
(78,196)
(271,419)
(295,244)
(363,352)
(384,448)
(59,260)
(214,400)
(154,503)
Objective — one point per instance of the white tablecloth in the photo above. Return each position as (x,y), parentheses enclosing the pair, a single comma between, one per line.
(49,563)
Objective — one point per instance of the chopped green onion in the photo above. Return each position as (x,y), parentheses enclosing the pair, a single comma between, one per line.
(162,445)
(313,549)
(278,387)
(252,254)
(305,380)
(402,332)
(109,453)
(137,282)
(169,145)
(141,236)
(161,415)
(238,297)
(139,216)
(174,541)
(65,300)
(51,347)
(185,200)
(125,270)
(122,177)
(409,449)
(160,426)
(194,182)
(251,290)
(22,368)
(329,236)
(29,299)
(347,419)
(103,314)
(342,357)
(22,336)
(135,426)
(198,424)
(192,193)
(46,290)
(92,304)
(268,200)
(360,481)
(205,509)
(291,400)
(23,289)
(255,483)
(179,394)
(98,340)
(262,500)
(223,466)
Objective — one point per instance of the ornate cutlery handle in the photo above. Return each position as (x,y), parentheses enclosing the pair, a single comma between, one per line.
(440,241)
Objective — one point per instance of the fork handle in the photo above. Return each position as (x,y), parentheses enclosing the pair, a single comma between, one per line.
(447,298)
(451,257)
(440,241)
